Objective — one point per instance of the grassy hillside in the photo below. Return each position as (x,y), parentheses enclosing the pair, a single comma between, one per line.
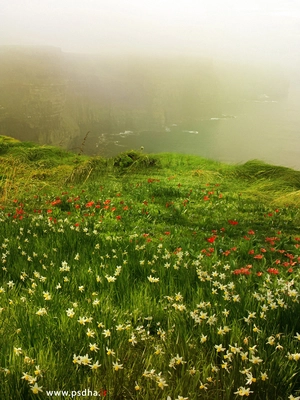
(147,276)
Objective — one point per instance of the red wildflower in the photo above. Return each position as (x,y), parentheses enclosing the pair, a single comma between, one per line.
(271,240)
(211,239)
(103,392)
(273,271)
(290,256)
(232,222)
(242,271)
(55,202)
(177,250)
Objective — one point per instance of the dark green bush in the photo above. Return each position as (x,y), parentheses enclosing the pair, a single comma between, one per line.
(134,158)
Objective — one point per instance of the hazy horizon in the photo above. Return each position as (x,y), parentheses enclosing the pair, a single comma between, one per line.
(259,31)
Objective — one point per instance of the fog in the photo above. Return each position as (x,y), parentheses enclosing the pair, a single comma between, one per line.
(154,73)
(261,31)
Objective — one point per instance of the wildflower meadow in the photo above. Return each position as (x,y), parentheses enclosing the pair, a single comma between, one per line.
(147,277)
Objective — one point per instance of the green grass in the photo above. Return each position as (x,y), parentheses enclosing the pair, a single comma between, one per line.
(183,271)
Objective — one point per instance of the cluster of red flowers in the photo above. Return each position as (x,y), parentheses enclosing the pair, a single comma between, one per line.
(55,202)
(208,252)
(211,239)
(232,222)
(242,271)
(227,252)
(273,271)
(19,212)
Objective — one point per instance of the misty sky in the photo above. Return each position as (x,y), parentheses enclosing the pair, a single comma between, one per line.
(242,30)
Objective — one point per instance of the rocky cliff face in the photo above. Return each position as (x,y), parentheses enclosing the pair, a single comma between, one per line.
(32,94)
(54,98)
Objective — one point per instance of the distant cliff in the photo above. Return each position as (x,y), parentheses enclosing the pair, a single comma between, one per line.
(32,94)
(51,97)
